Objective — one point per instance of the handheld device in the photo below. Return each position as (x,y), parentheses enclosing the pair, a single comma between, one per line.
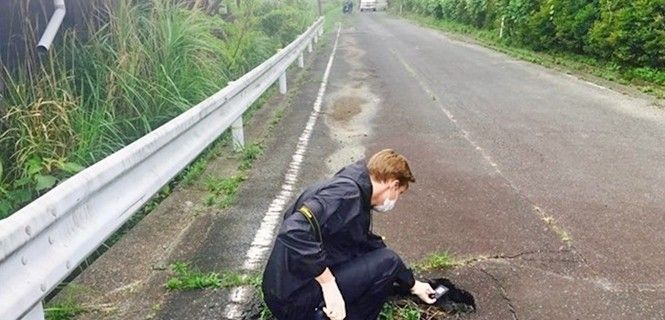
(439,291)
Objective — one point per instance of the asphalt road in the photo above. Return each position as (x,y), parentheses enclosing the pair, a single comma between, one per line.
(552,189)
(558,179)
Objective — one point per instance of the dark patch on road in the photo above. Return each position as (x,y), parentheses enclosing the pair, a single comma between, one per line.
(345,108)
(455,300)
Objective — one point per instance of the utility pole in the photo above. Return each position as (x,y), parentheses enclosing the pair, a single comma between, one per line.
(319,1)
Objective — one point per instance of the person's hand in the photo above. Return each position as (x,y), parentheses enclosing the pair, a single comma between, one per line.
(335,308)
(423,291)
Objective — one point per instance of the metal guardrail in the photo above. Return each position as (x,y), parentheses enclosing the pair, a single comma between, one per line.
(42,243)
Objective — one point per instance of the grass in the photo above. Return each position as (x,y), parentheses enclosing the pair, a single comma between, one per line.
(222,191)
(332,14)
(188,176)
(277,118)
(647,80)
(437,261)
(407,310)
(63,311)
(249,154)
(67,306)
(139,66)
(188,278)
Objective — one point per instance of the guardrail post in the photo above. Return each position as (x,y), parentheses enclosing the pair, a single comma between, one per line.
(301,60)
(37,313)
(309,46)
(282,83)
(238,135)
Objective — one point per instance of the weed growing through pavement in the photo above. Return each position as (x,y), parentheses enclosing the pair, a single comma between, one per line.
(194,171)
(437,261)
(67,306)
(222,191)
(63,311)
(278,117)
(250,153)
(189,278)
(407,310)
(235,279)
(560,232)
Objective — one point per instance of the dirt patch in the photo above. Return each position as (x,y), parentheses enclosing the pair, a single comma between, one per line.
(351,108)
(345,108)
(358,75)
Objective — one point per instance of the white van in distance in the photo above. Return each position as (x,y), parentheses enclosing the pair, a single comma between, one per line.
(367,5)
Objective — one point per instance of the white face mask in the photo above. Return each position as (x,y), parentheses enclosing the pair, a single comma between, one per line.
(388,204)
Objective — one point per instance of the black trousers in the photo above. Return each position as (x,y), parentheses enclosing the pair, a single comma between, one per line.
(365,283)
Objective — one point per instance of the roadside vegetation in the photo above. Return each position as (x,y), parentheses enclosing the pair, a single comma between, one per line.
(67,307)
(134,66)
(188,278)
(622,41)
(437,261)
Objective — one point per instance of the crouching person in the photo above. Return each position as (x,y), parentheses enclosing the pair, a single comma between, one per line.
(326,255)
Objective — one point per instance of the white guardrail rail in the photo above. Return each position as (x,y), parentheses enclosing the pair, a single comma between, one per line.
(42,243)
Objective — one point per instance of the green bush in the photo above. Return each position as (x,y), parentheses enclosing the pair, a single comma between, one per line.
(573,21)
(630,32)
(562,25)
(454,10)
(476,12)
(285,23)
(517,15)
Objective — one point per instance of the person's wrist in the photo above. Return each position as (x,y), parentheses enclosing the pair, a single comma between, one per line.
(325,277)
(328,282)
(415,287)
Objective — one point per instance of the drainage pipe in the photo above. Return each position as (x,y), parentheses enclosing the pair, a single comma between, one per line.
(53,26)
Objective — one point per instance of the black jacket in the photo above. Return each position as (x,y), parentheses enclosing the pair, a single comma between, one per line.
(342,207)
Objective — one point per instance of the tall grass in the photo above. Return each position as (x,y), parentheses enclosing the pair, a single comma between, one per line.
(136,65)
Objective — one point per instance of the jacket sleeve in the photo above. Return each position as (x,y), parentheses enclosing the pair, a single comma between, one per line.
(304,252)
(374,242)
(331,207)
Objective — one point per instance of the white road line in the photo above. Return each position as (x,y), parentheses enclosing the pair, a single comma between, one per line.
(264,236)
(595,85)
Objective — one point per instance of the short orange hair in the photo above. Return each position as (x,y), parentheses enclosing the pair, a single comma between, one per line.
(388,165)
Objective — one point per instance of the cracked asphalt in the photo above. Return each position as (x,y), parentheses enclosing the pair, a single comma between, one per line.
(551,189)
(559,180)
